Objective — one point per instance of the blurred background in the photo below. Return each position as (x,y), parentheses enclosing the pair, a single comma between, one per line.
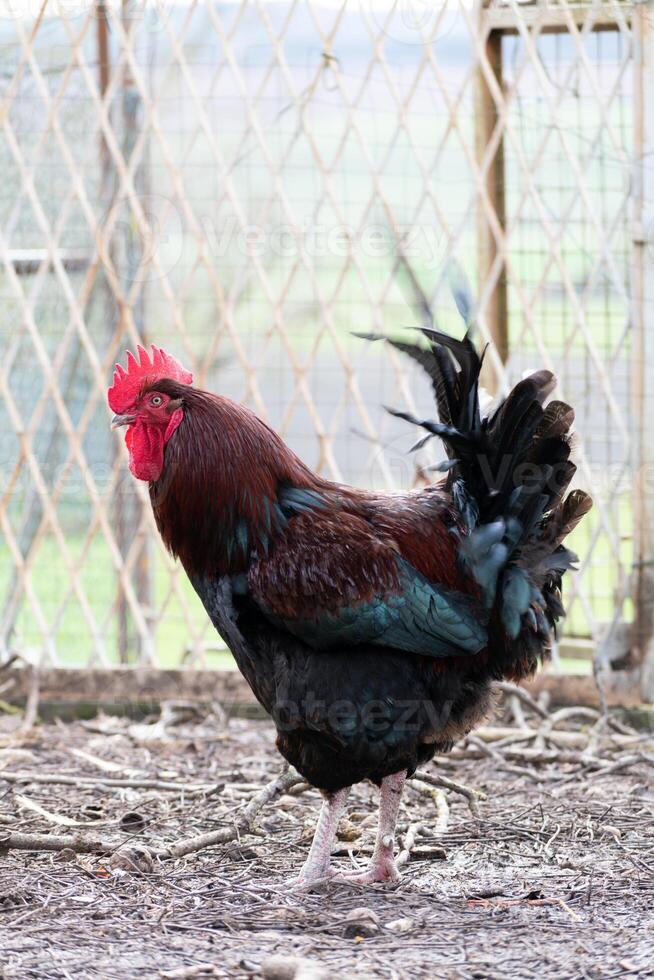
(249,183)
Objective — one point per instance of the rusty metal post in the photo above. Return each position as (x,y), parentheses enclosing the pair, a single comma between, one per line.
(495,310)
(643,346)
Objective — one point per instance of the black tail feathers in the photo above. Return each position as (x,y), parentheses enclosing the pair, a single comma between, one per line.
(508,473)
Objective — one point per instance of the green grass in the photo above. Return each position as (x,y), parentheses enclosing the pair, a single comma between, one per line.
(72,635)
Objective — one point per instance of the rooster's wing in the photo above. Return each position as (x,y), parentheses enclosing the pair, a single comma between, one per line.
(332,580)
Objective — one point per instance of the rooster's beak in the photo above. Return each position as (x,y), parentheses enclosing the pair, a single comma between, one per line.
(119,420)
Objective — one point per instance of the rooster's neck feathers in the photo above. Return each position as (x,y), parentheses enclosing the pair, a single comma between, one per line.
(228,486)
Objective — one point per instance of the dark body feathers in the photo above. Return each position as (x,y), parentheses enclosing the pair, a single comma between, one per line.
(371,625)
(345,715)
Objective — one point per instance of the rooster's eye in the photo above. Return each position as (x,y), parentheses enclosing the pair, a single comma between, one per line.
(156,400)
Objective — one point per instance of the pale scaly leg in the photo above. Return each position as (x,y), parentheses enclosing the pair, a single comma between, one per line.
(317,865)
(382,865)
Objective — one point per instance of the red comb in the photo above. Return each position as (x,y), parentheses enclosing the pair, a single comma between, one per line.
(148,368)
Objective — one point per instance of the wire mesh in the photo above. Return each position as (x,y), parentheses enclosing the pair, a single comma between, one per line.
(248,183)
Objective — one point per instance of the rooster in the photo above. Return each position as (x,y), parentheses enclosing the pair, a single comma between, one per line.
(369,625)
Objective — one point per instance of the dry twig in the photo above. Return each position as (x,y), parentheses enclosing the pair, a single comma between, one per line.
(81,844)
(93,782)
(32,705)
(442,782)
(271,791)
(408,844)
(514,690)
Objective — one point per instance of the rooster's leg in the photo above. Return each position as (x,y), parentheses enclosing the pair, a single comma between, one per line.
(316,866)
(382,865)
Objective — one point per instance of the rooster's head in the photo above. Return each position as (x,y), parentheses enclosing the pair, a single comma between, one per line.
(151,416)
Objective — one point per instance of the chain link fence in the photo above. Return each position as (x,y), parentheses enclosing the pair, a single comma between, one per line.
(246,184)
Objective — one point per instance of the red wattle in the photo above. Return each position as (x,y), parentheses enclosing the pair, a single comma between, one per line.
(146,443)
(146,450)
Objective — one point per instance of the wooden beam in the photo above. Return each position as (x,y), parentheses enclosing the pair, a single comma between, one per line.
(576,648)
(129,685)
(551,19)
(124,686)
(575,689)
(495,311)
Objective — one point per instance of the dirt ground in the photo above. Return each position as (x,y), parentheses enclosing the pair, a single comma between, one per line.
(553,877)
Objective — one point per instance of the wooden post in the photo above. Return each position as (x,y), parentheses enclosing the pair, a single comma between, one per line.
(126,506)
(495,310)
(103,57)
(643,346)
(129,247)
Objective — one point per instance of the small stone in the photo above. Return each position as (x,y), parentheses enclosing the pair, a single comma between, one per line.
(361,922)
(132,822)
(132,859)
(400,925)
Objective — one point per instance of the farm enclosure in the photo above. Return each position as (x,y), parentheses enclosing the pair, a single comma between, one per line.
(248,184)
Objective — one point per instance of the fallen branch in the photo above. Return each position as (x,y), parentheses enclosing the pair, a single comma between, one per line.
(9,663)
(440,802)
(499,759)
(546,729)
(105,765)
(63,821)
(514,690)
(81,844)
(408,843)
(625,762)
(443,815)
(507,903)
(78,843)
(243,821)
(7,686)
(562,739)
(442,782)
(32,704)
(92,782)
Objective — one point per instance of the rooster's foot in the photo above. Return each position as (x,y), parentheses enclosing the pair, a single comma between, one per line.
(379,871)
(308,879)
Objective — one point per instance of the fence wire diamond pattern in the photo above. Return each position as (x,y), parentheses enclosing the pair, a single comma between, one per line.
(249,183)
